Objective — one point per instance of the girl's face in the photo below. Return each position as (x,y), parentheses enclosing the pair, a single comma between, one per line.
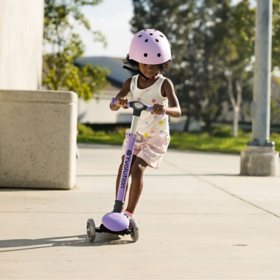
(148,70)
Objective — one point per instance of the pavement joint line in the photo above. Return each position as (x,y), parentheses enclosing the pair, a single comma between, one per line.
(199,177)
(237,196)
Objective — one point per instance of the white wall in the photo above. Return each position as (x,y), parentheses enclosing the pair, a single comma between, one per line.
(21,39)
(97,110)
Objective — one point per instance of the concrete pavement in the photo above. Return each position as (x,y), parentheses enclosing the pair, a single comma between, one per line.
(198,219)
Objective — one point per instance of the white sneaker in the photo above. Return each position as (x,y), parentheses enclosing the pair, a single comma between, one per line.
(128,214)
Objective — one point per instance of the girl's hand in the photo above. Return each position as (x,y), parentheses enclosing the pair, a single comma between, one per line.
(123,102)
(158,109)
(117,103)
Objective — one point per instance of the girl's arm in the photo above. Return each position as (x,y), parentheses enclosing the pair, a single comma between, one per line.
(121,96)
(167,90)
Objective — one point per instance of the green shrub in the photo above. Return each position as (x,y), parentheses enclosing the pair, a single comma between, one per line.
(85,130)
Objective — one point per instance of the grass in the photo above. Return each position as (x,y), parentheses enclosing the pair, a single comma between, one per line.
(87,135)
(218,141)
(208,143)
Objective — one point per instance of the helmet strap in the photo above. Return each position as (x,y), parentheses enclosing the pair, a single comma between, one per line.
(154,77)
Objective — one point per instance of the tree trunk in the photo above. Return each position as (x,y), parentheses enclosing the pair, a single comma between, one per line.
(235,121)
(235,102)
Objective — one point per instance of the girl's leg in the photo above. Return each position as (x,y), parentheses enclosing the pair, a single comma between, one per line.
(137,171)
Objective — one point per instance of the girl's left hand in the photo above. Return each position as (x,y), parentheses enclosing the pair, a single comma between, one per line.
(158,109)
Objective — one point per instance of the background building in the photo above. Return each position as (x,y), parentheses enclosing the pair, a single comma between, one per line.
(97,110)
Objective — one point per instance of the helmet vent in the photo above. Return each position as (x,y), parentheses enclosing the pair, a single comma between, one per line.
(146,40)
(159,55)
(145,54)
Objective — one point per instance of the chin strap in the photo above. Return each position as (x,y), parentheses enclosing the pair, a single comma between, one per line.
(152,78)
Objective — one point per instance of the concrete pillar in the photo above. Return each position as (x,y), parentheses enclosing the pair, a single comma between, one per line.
(38,139)
(260,157)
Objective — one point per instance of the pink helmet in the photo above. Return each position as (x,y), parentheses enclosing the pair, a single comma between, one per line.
(149,46)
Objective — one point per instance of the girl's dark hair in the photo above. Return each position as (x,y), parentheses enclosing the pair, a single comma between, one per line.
(133,66)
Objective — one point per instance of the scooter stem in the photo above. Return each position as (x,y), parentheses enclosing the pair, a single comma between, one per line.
(126,167)
(138,108)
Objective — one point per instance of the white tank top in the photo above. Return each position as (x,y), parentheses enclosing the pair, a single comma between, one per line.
(150,124)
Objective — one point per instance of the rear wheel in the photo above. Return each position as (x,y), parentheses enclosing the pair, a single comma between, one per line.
(134,230)
(91,232)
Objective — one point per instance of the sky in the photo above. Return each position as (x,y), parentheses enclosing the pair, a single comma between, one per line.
(111,17)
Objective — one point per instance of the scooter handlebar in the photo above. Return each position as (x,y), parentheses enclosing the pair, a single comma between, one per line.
(136,105)
(150,109)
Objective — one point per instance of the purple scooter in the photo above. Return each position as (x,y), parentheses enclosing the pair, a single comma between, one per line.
(116,222)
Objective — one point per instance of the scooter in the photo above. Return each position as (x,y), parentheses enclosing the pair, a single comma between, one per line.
(116,222)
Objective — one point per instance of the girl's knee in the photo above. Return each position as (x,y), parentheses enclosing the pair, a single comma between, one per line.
(138,167)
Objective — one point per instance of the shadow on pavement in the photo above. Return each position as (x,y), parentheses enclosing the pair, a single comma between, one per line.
(12,245)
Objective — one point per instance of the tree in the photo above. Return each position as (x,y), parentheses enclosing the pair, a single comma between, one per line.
(213,49)
(276,35)
(275,100)
(191,27)
(61,17)
(204,90)
(237,53)
(174,19)
(207,42)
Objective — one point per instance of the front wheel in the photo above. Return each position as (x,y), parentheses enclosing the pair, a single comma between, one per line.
(91,232)
(134,230)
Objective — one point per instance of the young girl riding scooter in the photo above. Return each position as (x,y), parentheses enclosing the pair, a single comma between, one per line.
(150,55)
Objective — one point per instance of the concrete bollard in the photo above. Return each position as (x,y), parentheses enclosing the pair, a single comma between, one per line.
(259,161)
(38,139)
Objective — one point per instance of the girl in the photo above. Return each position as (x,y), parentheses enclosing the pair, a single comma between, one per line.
(150,55)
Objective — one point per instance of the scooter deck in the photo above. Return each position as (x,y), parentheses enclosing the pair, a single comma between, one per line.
(102,228)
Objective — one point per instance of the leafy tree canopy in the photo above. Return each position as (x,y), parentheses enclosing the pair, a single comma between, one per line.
(64,44)
(212,45)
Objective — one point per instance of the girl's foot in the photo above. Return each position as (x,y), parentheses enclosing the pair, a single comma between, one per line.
(128,214)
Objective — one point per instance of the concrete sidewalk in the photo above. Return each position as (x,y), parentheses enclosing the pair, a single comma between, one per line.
(198,219)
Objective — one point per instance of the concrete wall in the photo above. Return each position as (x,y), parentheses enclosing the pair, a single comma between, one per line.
(21,39)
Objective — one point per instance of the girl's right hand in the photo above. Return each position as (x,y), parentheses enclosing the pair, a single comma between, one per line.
(123,102)
(117,103)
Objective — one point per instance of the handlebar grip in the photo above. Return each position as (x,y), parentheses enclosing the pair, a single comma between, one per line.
(114,101)
(151,109)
